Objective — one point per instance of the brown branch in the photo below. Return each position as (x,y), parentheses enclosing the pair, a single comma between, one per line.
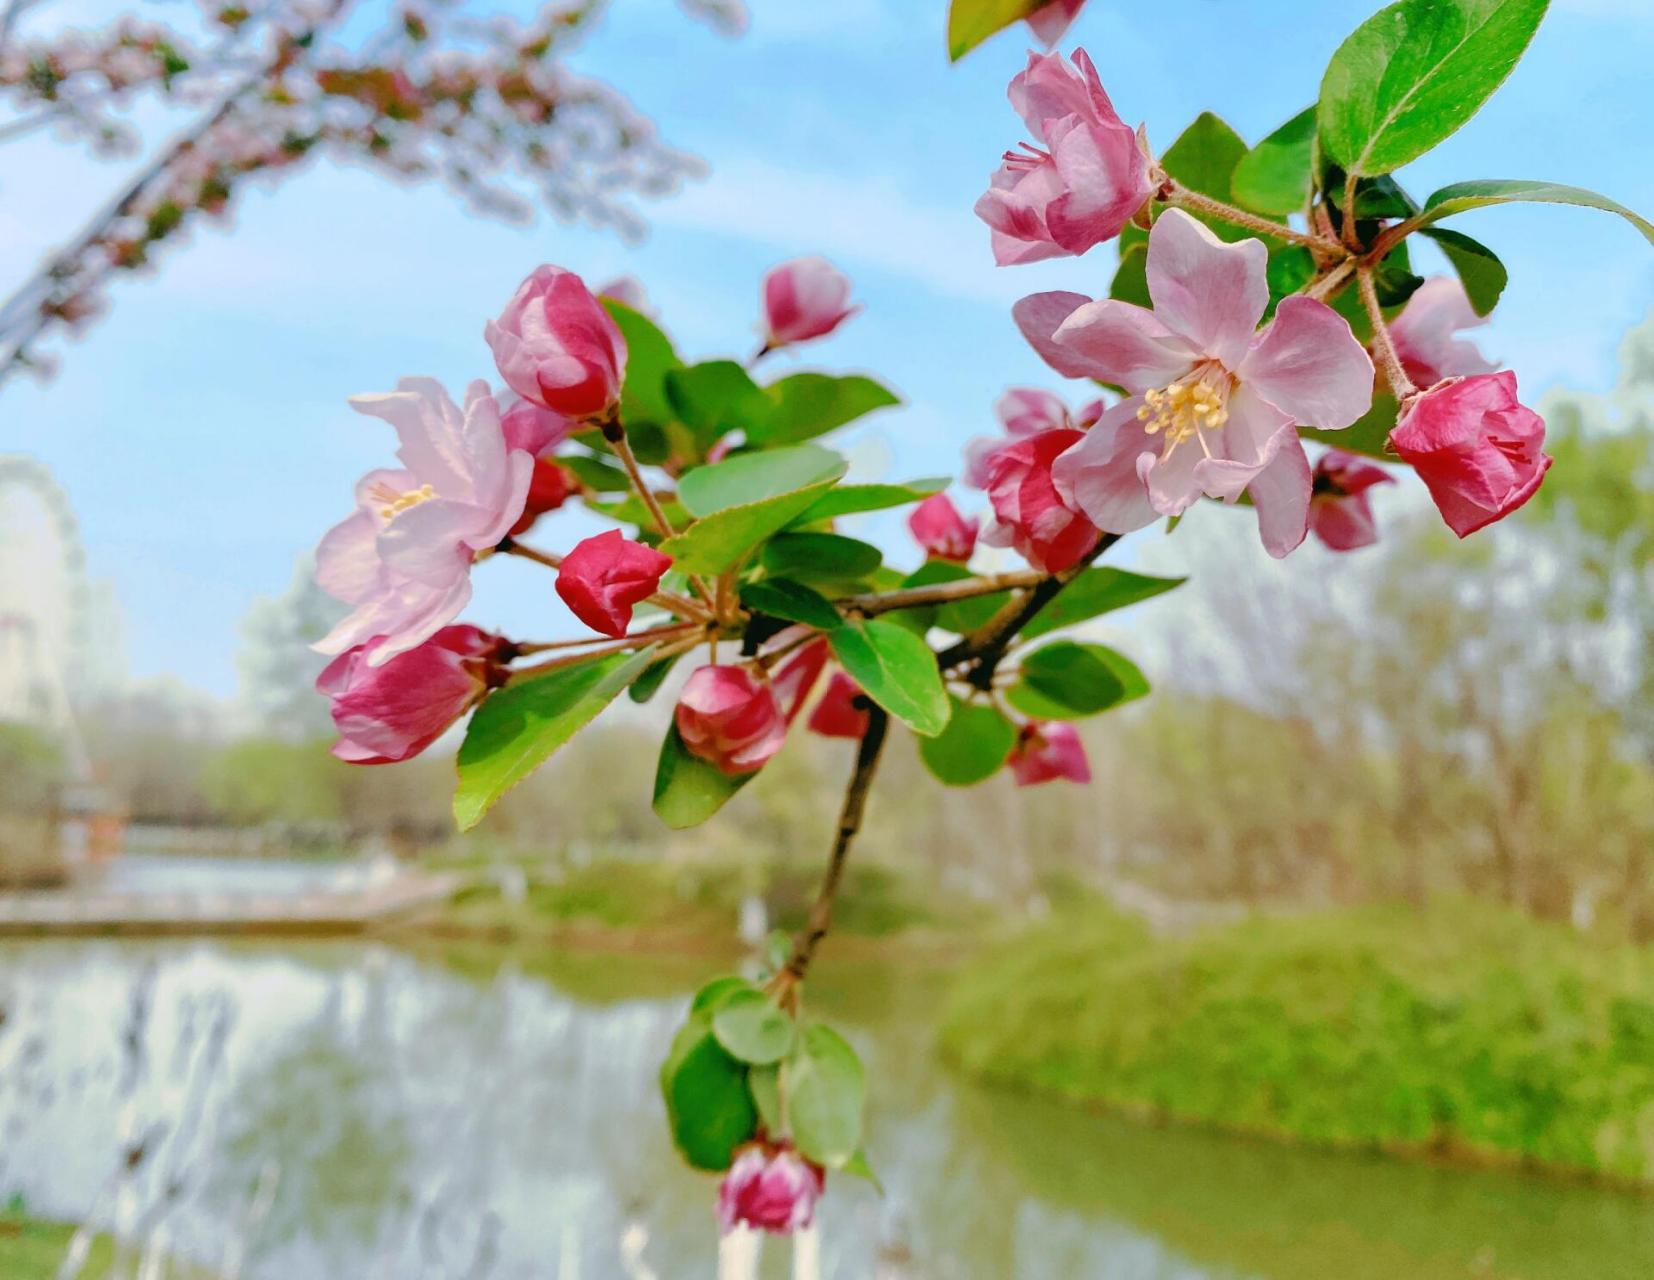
(1400,384)
(1181,197)
(849,825)
(938,593)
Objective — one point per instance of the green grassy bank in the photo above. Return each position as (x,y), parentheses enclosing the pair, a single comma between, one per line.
(32,1249)
(1461,1031)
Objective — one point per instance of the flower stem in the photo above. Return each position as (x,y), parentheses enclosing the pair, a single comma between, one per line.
(688,631)
(1348,212)
(872,604)
(614,432)
(1331,283)
(527,649)
(1400,384)
(1181,197)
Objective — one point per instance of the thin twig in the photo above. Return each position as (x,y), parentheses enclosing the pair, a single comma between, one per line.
(1400,384)
(1329,284)
(614,433)
(1348,234)
(1181,197)
(690,632)
(874,603)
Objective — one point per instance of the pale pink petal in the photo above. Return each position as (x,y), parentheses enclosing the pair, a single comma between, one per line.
(1050,21)
(1280,492)
(1308,364)
(429,427)
(1210,292)
(426,542)
(1011,252)
(1124,344)
(1099,474)
(1039,316)
(1102,174)
(519,478)
(347,559)
(1173,482)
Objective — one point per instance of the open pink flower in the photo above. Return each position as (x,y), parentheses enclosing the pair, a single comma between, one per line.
(1083,185)
(1215,404)
(392,712)
(770,1188)
(842,711)
(1340,511)
(404,558)
(608,575)
(1048,751)
(941,531)
(556,346)
(1423,333)
(1050,22)
(1030,513)
(1476,447)
(1023,411)
(805,298)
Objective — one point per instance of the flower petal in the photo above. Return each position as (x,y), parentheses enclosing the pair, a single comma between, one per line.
(1039,315)
(1308,364)
(1099,474)
(1124,344)
(1210,292)
(426,542)
(1281,493)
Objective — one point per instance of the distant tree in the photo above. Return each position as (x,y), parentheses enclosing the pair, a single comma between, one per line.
(278,667)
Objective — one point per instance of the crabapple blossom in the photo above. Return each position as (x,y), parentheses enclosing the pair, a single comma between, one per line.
(805,298)
(1048,751)
(1475,446)
(538,432)
(404,557)
(1215,403)
(941,531)
(392,712)
(736,717)
(1030,513)
(770,1188)
(1423,334)
(1340,511)
(557,347)
(1082,184)
(1023,411)
(608,575)
(1050,22)
(839,714)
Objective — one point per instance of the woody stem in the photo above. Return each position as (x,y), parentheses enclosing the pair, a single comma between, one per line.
(614,432)
(673,603)
(1178,196)
(1400,384)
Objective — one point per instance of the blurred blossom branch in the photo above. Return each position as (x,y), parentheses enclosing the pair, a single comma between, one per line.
(473,100)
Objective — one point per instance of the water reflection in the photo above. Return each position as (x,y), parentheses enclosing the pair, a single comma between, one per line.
(460,1114)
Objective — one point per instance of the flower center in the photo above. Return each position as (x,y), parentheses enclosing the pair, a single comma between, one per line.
(1029,158)
(1196,402)
(396,503)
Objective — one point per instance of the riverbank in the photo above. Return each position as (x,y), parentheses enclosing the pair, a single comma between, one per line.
(1461,1033)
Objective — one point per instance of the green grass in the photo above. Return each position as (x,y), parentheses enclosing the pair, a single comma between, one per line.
(32,1250)
(1462,1030)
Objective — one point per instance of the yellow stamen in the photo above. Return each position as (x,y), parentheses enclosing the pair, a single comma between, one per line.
(1196,403)
(397,503)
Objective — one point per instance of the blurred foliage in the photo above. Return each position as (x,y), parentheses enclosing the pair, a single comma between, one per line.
(1463,1029)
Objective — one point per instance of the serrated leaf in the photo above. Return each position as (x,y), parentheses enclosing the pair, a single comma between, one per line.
(1096,591)
(806,405)
(847,499)
(649,355)
(708,1104)
(751,477)
(715,397)
(1413,73)
(648,684)
(793,601)
(971,748)
(1462,196)
(825,1087)
(716,542)
(820,557)
(970,22)
(896,669)
(1203,158)
(688,790)
(517,728)
(1274,176)
(752,1029)
(1484,277)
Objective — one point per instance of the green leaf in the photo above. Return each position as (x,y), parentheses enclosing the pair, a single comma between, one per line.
(518,727)
(820,557)
(970,22)
(811,404)
(857,1166)
(713,994)
(1274,177)
(1131,278)
(764,1083)
(1367,435)
(959,616)
(595,474)
(971,748)
(1094,592)
(649,357)
(825,1087)
(1488,191)
(1032,702)
(718,541)
(897,670)
(750,1027)
(1073,676)
(1484,277)
(714,398)
(1414,73)
(688,790)
(848,499)
(1203,158)
(708,1104)
(751,477)
(648,684)
(793,601)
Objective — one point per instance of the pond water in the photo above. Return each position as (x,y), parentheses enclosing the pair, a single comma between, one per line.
(468,1113)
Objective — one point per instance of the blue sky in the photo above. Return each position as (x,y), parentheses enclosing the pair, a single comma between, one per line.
(201,429)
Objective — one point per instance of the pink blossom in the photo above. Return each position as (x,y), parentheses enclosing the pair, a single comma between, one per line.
(1085,183)
(1423,333)
(394,711)
(1476,447)
(606,576)
(403,559)
(1023,411)
(1215,404)
(805,298)
(941,531)
(1050,22)
(770,1188)
(729,716)
(842,711)
(556,346)
(1340,512)
(533,429)
(549,489)
(1029,512)
(1048,751)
